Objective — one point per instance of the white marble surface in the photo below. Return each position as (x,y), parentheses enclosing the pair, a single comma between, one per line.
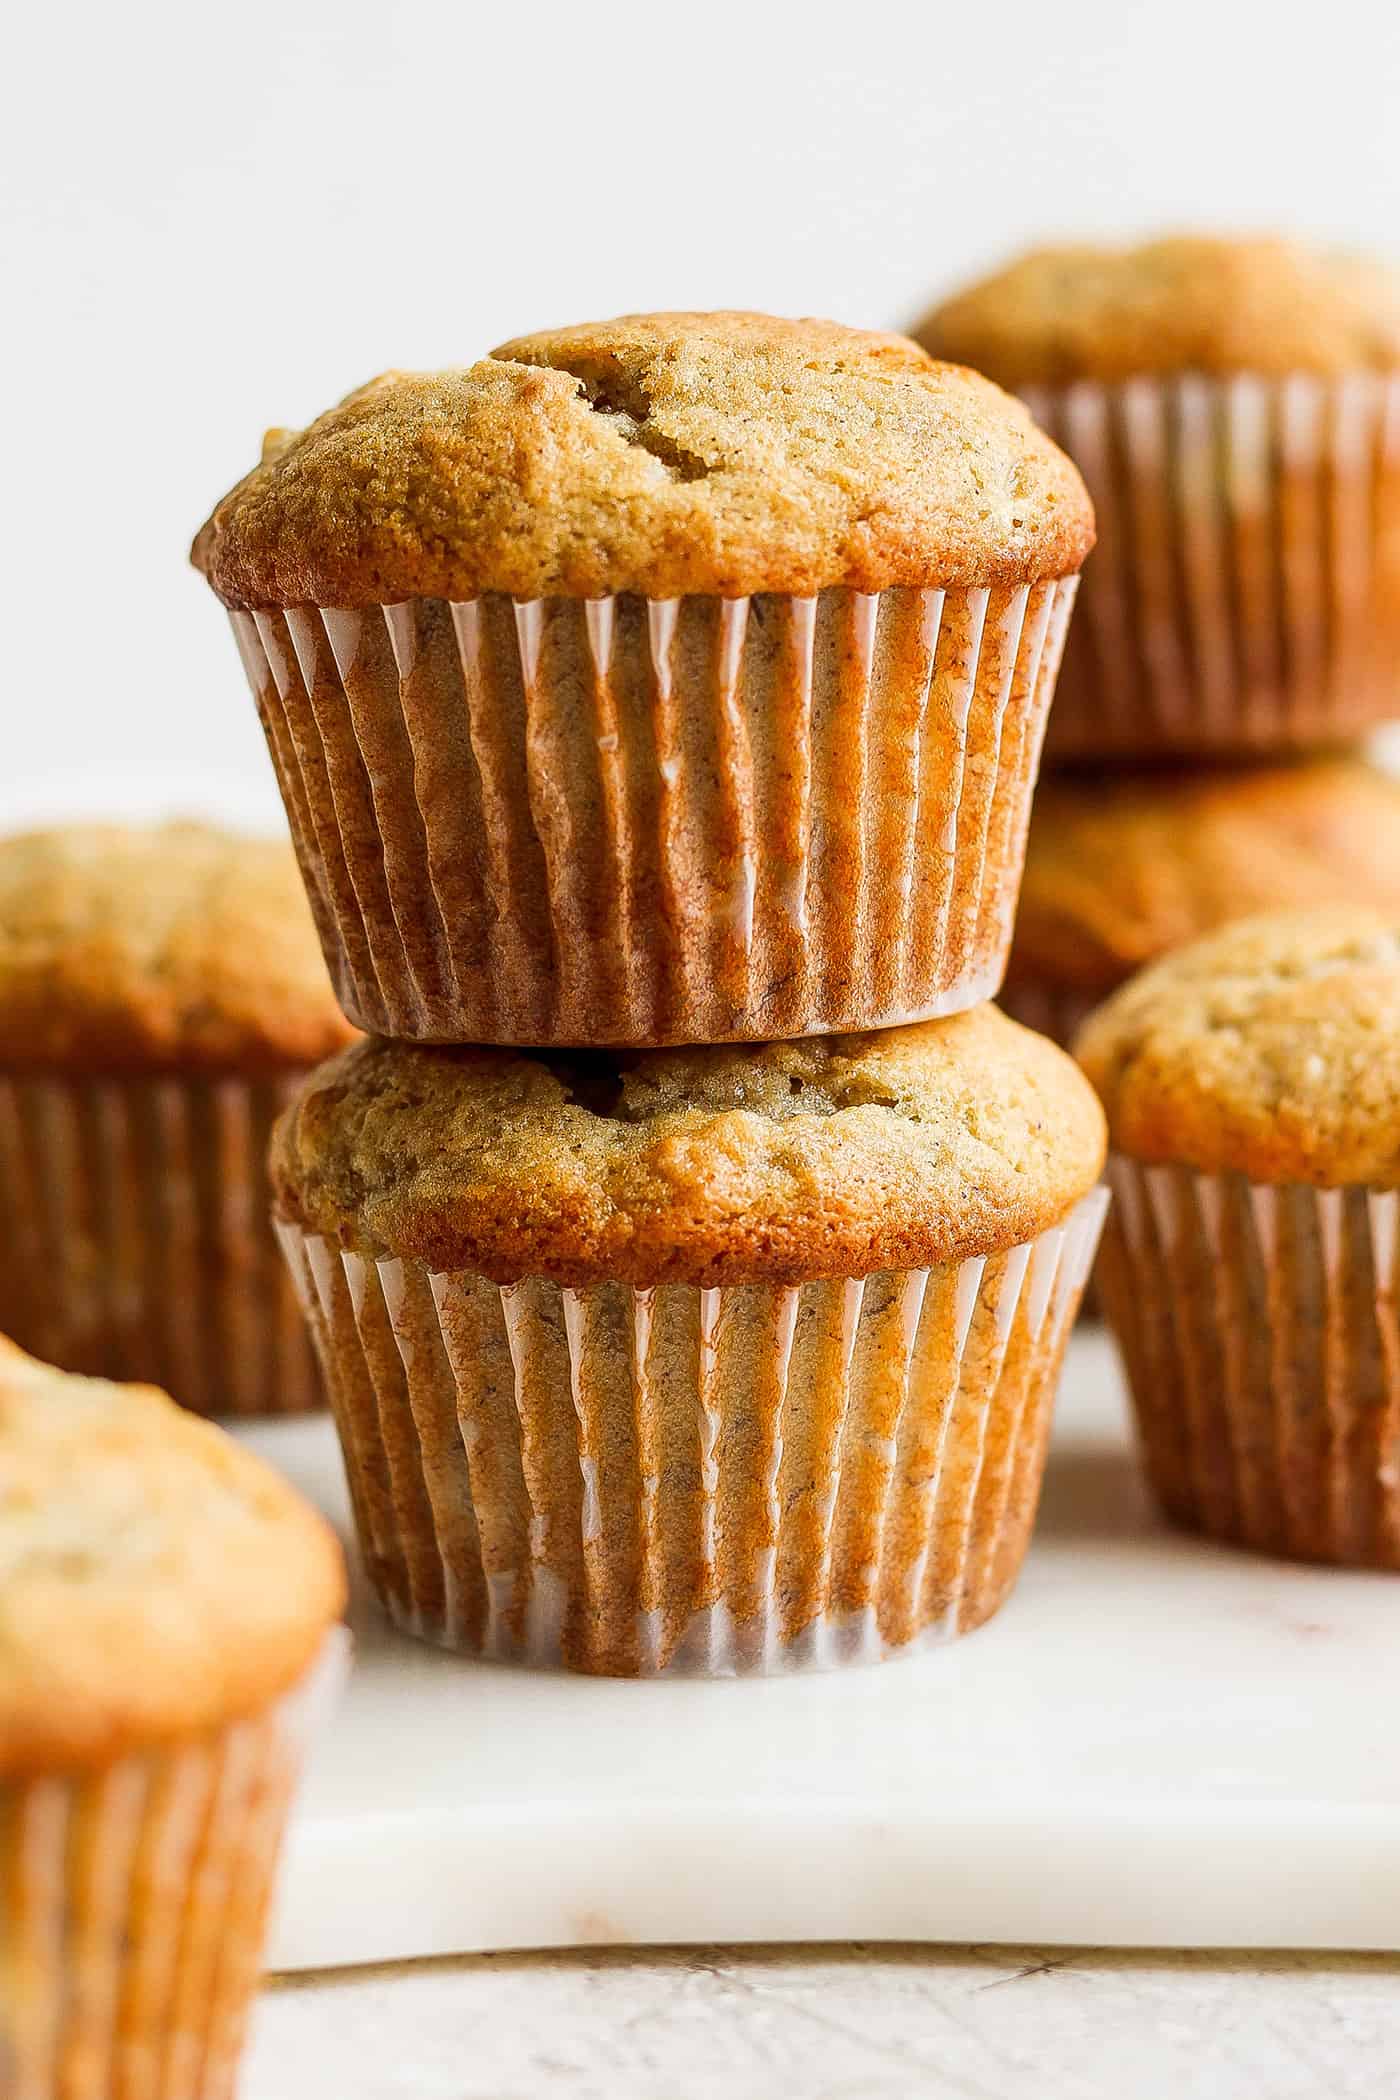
(962,2022)
(1157,1742)
(854,2023)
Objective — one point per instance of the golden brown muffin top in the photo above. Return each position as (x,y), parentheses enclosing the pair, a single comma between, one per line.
(156,1579)
(660,454)
(1121,868)
(164,948)
(1270,1049)
(818,1158)
(1187,303)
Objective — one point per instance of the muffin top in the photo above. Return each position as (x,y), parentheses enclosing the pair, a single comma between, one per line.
(161,948)
(1270,1048)
(156,1579)
(1189,303)
(824,1157)
(1122,868)
(660,454)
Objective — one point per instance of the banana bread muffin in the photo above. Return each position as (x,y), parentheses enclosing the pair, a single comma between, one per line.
(675,678)
(1252,1086)
(1235,408)
(166,1606)
(712,1359)
(160,991)
(1124,867)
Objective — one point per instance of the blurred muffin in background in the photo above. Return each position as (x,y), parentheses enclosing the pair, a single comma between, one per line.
(166,1613)
(1251,1261)
(1123,867)
(161,991)
(677,678)
(723,1359)
(1234,407)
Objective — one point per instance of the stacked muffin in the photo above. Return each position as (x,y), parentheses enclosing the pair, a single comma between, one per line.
(1235,409)
(1125,868)
(657,705)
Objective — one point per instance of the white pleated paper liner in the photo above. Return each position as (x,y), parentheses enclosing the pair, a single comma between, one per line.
(133,1908)
(739,1480)
(134,1214)
(1244,593)
(1258,1326)
(624,821)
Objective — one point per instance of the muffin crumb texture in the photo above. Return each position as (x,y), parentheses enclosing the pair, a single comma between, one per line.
(1270,1049)
(661,454)
(1121,870)
(156,1579)
(174,947)
(1179,304)
(786,1162)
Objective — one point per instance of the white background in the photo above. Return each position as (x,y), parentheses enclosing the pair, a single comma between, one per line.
(215,219)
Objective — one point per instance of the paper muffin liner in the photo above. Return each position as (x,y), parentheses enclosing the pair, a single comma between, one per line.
(628,821)
(1056,1010)
(133,1908)
(134,1214)
(1259,1329)
(712,1482)
(1244,594)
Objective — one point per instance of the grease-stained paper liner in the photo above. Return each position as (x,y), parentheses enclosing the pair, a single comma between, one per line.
(1056,1010)
(1258,1327)
(134,1214)
(133,1907)
(629,821)
(1244,593)
(708,1481)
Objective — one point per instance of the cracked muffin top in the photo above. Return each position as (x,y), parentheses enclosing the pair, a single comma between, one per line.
(1269,1049)
(791,1161)
(1120,871)
(168,947)
(661,454)
(1186,303)
(156,1578)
